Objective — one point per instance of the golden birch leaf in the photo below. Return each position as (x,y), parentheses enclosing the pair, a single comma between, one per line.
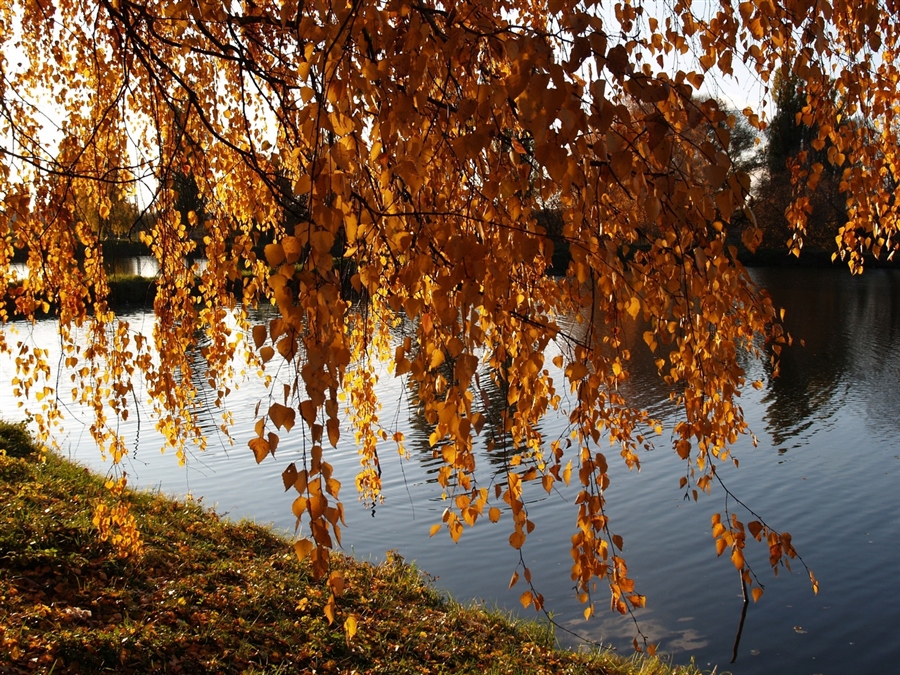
(334,431)
(527,598)
(274,255)
(721,545)
(329,610)
(337,583)
(302,548)
(259,335)
(260,447)
(350,626)
(634,307)
(282,416)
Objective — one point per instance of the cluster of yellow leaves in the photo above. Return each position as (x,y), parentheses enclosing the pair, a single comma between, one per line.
(115,523)
(379,173)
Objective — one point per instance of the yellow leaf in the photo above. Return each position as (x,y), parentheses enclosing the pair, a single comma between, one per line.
(494,514)
(634,307)
(437,358)
(721,545)
(350,626)
(547,482)
(299,507)
(434,529)
(274,254)
(517,539)
(756,592)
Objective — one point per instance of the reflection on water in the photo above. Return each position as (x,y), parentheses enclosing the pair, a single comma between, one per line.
(826,468)
(141,266)
(849,328)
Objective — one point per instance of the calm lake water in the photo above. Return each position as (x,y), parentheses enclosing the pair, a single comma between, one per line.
(827,469)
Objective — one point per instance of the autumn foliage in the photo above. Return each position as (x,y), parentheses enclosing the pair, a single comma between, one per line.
(355,164)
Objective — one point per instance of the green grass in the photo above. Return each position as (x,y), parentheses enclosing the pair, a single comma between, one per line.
(15,440)
(210,596)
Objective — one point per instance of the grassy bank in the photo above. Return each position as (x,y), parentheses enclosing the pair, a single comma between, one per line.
(211,596)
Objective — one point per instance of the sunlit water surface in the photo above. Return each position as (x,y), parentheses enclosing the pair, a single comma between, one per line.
(826,469)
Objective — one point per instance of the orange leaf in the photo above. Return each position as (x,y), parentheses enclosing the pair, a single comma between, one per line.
(334,431)
(756,529)
(526,599)
(281,416)
(721,545)
(337,583)
(289,476)
(259,335)
(633,307)
(302,548)
(547,482)
(260,447)
(274,254)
